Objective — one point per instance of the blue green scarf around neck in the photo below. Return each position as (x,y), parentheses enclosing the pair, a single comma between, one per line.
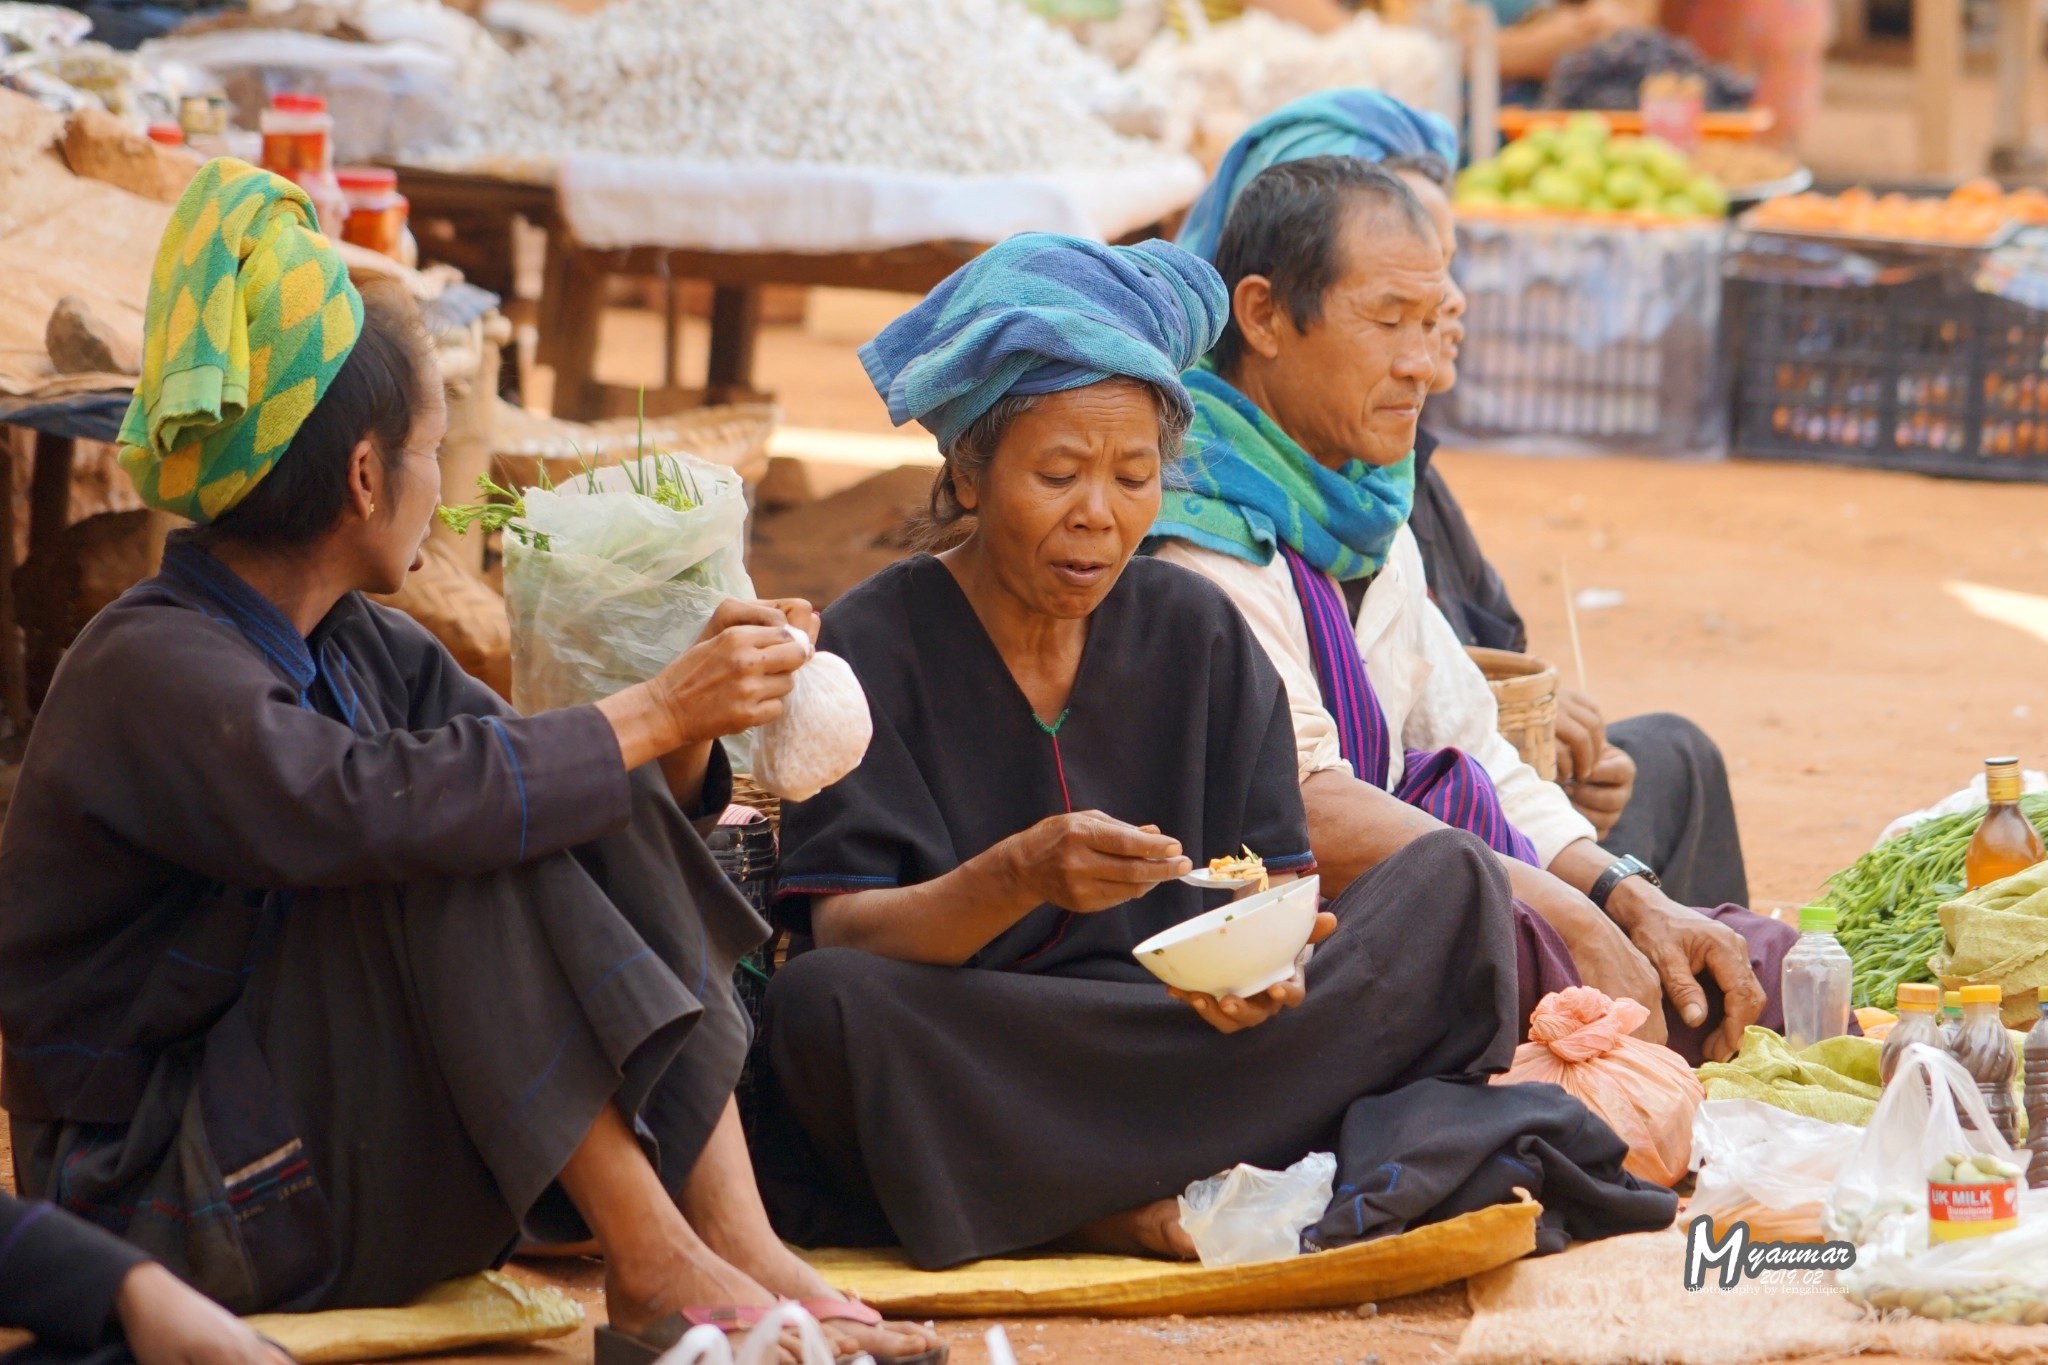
(1245,489)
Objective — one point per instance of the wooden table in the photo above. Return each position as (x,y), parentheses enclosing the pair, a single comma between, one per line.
(28,660)
(479,213)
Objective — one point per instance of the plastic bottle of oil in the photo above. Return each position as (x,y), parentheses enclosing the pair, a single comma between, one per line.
(2006,842)
(1985,1049)
(1919,1022)
(2035,1055)
(1951,1017)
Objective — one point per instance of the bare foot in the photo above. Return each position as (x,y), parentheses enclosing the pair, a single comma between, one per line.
(1153,1230)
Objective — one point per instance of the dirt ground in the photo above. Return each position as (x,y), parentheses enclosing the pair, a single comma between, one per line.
(1807,617)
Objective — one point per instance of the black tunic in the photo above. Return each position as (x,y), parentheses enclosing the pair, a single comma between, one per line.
(316,962)
(980,1110)
(1176,719)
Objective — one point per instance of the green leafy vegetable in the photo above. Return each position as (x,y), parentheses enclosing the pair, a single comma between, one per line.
(1888,902)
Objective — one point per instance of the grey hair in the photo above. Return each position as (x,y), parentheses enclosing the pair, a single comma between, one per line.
(976,445)
(1428,165)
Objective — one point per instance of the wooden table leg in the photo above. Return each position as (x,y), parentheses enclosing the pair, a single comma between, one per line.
(49,513)
(571,347)
(13,679)
(2019,78)
(1937,80)
(735,324)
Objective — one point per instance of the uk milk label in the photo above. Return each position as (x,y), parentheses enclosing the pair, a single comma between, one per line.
(1958,1211)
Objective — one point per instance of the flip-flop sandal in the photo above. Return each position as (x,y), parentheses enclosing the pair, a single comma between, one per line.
(858,1313)
(614,1347)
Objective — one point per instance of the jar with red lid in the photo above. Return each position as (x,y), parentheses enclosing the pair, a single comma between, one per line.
(376,210)
(298,141)
(298,134)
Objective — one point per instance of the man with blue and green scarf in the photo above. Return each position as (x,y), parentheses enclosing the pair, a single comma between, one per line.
(1298,487)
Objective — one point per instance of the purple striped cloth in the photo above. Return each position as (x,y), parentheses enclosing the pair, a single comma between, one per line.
(1447,783)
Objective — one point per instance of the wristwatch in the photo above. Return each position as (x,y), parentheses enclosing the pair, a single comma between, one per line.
(1619,871)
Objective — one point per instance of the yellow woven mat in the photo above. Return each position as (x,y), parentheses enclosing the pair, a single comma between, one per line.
(478,1310)
(1129,1287)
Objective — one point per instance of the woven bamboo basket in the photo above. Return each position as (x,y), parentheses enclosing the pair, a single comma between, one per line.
(461,611)
(747,792)
(1525,692)
(735,435)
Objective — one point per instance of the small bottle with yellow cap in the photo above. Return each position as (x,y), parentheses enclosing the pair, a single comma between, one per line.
(1985,1050)
(1919,1022)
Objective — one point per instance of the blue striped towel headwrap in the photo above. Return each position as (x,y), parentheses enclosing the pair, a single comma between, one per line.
(1362,123)
(1039,313)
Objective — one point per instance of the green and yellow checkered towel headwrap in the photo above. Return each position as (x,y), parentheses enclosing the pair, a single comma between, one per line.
(250,318)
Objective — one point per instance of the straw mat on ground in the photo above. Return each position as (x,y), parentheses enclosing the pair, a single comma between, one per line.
(479,1310)
(1123,1286)
(1623,1302)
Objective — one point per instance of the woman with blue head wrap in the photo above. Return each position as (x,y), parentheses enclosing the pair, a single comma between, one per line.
(975,1060)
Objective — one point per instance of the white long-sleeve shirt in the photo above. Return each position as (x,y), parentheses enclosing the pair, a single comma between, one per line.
(1432,694)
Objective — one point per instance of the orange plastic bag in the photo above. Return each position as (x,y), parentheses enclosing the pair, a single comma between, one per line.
(1579,1039)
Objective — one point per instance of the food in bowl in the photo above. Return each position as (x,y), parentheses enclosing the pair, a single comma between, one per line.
(1238,949)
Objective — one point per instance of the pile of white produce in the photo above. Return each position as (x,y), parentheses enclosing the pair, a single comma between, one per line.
(1240,71)
(962,87)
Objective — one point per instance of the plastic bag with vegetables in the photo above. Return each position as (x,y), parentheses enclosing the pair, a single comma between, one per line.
(1879,1201)
(2001,1278)
(610,577)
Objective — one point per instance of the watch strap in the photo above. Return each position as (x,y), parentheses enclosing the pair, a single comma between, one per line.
(1619,871)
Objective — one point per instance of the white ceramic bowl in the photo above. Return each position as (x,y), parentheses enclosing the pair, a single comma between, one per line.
(1238,949)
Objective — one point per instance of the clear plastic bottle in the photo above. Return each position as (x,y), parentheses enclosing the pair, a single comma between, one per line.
(1951,1018)
(1816,981)
(2036,1056)
(298,138)
(1919,1022)
(1985,1051)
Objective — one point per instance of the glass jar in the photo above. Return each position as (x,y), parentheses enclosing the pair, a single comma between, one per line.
(376,210)
(298,140)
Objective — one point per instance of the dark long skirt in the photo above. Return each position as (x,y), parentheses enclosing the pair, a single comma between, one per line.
(1681,818)
(410,1068)
(983,1112)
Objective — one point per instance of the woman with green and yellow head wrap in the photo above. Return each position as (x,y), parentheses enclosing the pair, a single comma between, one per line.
(323,975)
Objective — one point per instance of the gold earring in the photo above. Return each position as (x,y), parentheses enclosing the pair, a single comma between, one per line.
(373,509)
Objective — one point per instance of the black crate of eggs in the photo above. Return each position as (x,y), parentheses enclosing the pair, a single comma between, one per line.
(1887,359)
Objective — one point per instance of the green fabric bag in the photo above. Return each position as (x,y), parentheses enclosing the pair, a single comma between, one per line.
(1997,935)
(1835,1080)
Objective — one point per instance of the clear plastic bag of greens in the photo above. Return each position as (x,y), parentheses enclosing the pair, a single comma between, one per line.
(610,577)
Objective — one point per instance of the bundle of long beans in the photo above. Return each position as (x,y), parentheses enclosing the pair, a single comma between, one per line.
(1888,902)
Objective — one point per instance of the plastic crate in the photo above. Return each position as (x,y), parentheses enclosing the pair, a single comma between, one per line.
(1885,359)
(1589,337)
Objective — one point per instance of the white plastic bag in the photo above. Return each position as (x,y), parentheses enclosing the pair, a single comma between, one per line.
(2000,1278)
(709,1345)
(1880,1199)
(823,731)
(625,584)
(1767,1168)
(1247,1214)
